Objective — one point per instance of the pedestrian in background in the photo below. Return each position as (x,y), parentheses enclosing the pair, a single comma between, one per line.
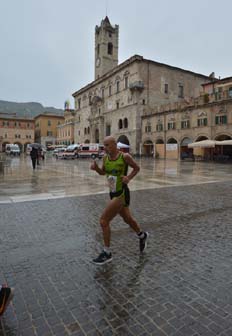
(34,156)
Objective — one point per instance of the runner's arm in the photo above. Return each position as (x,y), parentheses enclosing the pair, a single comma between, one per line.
(94,166)
(135,168)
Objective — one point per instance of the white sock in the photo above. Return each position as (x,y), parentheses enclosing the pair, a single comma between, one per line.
(106,249)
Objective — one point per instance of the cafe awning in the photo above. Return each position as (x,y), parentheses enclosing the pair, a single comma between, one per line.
(224,142)
(203,144)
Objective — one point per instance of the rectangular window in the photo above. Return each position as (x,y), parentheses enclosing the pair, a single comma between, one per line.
(126,82)
(79,103)
(110,90)
(148,128)
(166,88)
(221,120)
(118,84)
(90,100)
(159,127)
(171,125)
(103,93)
(185,124)
(117,105)
(49,133)
(108,130)
(202,122)
(49,123)
(181,91)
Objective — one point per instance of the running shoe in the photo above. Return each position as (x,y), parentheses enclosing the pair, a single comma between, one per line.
(103,258)
(143,242)
(6,295)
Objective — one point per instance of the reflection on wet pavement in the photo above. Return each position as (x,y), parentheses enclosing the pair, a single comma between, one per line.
(60,178)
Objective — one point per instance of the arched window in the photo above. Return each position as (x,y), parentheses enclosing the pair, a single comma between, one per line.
(110,48)
(125,123)
(120,124)
(85,130)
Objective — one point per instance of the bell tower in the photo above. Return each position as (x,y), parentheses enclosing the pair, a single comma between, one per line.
(106,47)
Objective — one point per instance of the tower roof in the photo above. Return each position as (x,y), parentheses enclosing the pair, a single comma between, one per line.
(106,20)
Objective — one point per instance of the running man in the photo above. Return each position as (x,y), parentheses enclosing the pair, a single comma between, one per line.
(115,166)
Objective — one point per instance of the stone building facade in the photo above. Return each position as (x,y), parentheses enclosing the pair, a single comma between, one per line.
(168,129)
(116,101)
(15,130)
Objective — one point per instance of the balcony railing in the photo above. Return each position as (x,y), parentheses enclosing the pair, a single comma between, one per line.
(138,85)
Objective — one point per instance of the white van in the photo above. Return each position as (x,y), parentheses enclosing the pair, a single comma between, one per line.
(12,149)
(71,152)
(91,150)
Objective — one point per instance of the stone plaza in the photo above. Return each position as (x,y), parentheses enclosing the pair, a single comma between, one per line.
(180,286)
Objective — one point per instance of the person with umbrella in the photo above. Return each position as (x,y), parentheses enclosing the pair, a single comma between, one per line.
(34,156)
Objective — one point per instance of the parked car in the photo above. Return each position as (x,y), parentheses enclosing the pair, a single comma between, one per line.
(12,149)
(58,152)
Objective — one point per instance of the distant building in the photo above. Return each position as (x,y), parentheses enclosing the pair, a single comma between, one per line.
(65,130)
(46,128)
(119,98)
(16,131)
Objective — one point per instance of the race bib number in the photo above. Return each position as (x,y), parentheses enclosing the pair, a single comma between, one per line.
(112,182)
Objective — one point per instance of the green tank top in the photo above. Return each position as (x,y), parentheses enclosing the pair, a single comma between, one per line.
(115,170)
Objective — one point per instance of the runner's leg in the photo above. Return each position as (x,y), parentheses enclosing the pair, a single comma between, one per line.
(127,217)
(112,209)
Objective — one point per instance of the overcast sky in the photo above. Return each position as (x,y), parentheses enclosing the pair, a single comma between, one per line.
(47,46)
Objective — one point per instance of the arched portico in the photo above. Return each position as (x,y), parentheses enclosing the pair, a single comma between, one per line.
(148,148)
(201,138)
(172,149)
(4,145)
(223,152)
(185,152)
(159,148)
(123,139)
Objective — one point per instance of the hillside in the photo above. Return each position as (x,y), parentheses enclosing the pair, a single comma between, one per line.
(28,110)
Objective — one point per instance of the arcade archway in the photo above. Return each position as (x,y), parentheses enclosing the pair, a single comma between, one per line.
(123,139)
(185,152)
(148,148)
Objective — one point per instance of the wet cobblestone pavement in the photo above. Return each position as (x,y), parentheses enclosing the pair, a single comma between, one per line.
(181,285)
